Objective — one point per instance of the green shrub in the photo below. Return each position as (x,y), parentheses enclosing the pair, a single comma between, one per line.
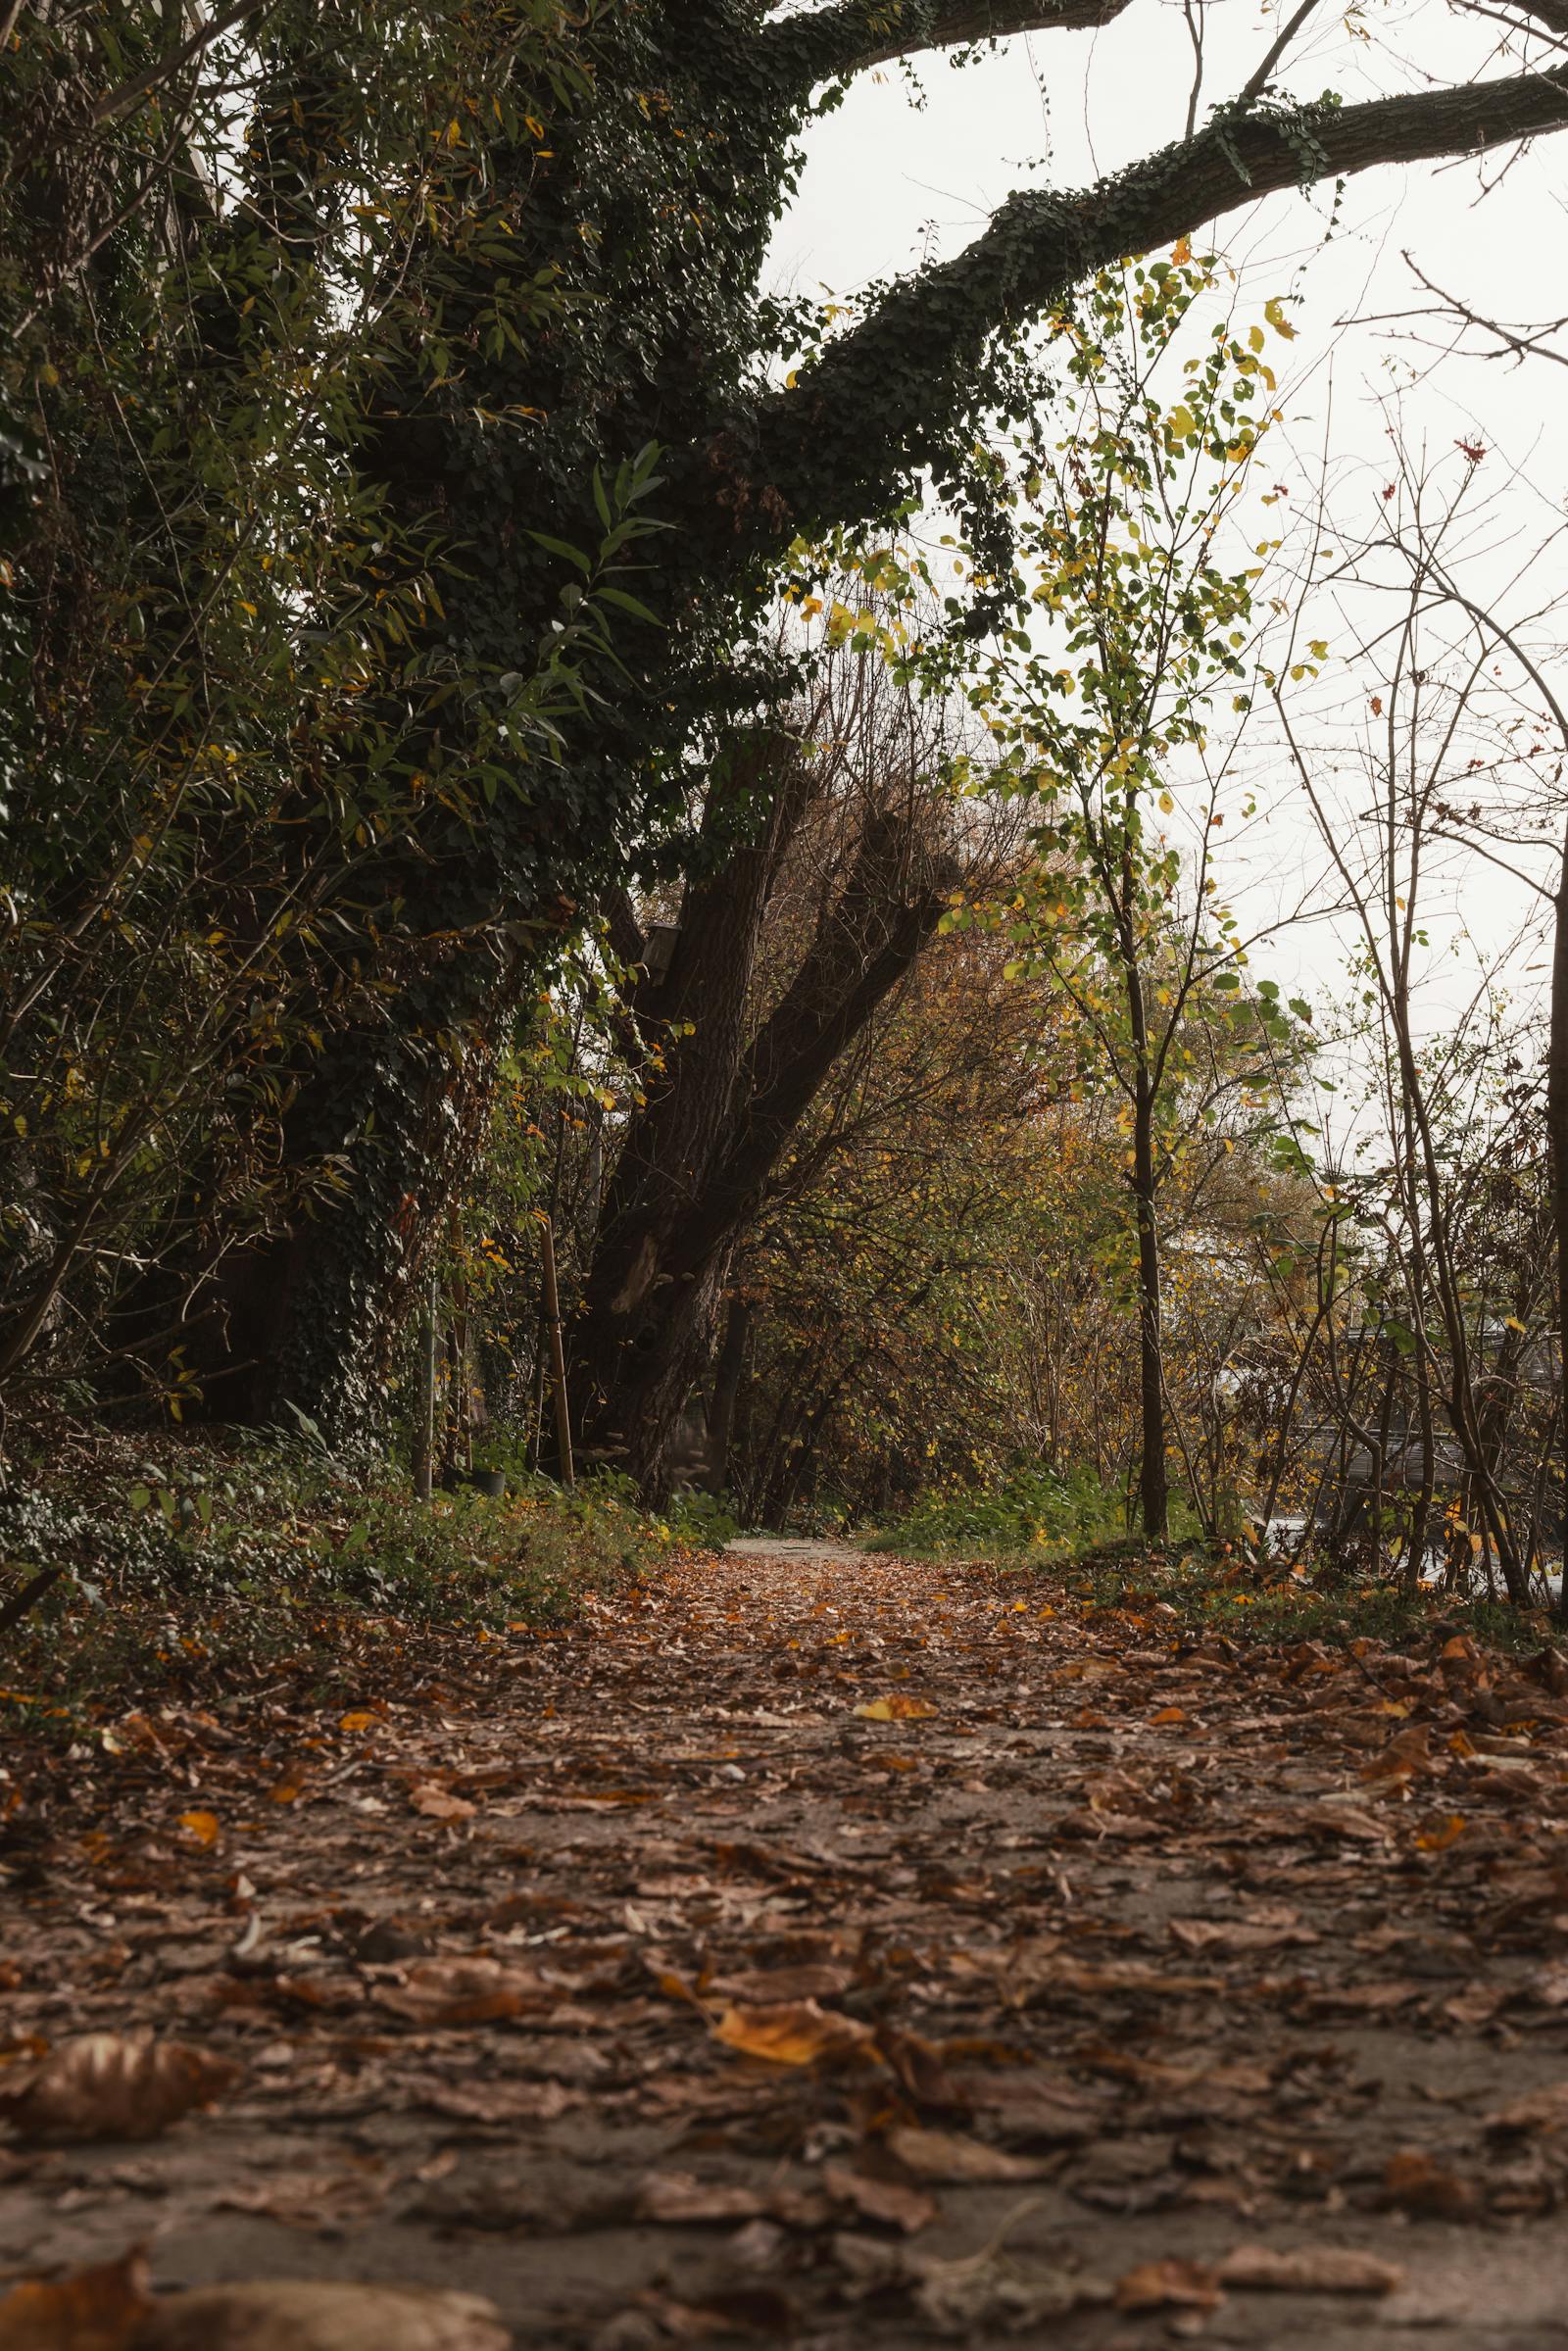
(704,1520)
(1033,1511)
(206,1567)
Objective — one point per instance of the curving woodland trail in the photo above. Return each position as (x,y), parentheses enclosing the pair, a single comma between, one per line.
(821,1949)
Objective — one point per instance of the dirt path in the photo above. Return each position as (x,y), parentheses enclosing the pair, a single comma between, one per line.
(823,1948)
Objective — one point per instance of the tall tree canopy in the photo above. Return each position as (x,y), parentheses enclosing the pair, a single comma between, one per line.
(464,268)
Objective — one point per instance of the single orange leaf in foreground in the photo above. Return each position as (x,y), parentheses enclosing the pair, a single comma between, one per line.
(205,1827)
(96,2310)
(896,1709)
(361,1719)
(792,2033)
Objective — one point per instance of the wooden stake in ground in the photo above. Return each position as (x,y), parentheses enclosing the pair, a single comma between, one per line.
(424,1439)
(558,1353)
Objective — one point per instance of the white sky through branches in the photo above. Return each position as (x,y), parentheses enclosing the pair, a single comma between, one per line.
(889,184)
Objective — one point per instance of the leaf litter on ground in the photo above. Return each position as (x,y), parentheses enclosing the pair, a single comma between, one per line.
(632,1930)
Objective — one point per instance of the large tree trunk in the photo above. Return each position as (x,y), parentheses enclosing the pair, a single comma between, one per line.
(697,1162)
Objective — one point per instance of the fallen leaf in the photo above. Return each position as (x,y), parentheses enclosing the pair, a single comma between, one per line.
(465,1991)
(896,1709)
(951,2156)
(114,2085)
(1236,1935)
(1414,2181)
(792,2033)
(361,1719)
(888,2201)
(323,2200)
(678,2198)
(439,1803)
(205,1827)
(1439,1833)
(316,2314)
(97,2310)
(1308,2269)
(1540,2110)
(1163,2284)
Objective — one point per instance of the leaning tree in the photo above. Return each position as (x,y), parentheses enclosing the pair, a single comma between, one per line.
(600,289)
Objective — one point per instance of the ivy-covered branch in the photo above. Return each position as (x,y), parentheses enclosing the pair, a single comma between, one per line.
(856,33)
(890,396)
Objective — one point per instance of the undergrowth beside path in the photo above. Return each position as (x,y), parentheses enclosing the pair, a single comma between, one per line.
(212,1571)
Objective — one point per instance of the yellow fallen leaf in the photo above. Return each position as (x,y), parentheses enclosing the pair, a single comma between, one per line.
(896,1709)
(792,2033)
(361,1719)
(205,1827)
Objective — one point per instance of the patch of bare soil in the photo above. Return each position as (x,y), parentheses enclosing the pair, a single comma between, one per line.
(814,1948)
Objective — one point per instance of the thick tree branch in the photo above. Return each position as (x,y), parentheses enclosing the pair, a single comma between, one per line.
(896,393)
(856,33)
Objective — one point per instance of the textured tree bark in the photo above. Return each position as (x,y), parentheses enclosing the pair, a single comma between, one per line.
(728,1373)
(696,1163)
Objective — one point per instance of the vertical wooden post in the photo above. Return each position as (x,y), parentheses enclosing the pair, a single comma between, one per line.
(558,1352)
(424,1439)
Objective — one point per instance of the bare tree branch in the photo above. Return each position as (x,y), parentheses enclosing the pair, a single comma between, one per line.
(856,33)
(885,400)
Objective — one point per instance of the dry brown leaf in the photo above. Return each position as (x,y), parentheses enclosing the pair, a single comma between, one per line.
(679,2199)
(440,1992)
(439,1803)
(1169,2284)
(1540,2110)
(97,2310)
(1236,1935)
(951,2156)
(1413,2181)
(314,2314)
(114,2085)
(792,2033)
(1308,2269)
(888,2201)
(308,2199)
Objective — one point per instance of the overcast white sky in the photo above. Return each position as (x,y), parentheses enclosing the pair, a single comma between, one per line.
(889,182)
